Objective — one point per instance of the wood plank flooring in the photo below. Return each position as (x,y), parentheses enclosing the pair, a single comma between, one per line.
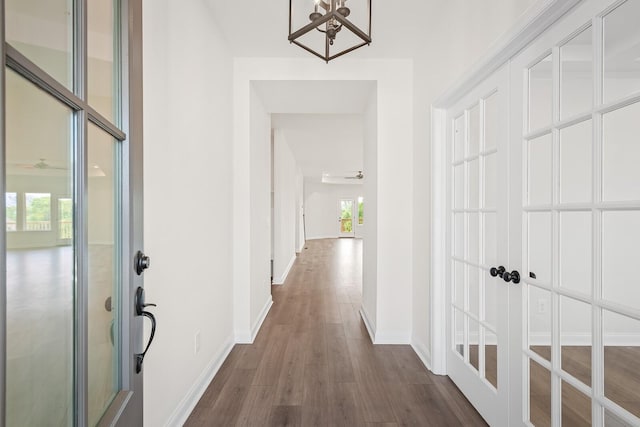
(313,364)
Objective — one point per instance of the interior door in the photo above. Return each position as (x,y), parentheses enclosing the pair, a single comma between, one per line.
(71,126)
(477,350)
(575,222)
(346,221)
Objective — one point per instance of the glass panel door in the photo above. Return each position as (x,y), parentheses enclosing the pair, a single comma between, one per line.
(580,215)
(71,190)
(477,354)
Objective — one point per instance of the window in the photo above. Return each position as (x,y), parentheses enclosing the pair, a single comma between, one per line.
(360,214)
(12,207)
(38,212)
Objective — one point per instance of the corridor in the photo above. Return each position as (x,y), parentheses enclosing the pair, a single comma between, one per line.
(313,363)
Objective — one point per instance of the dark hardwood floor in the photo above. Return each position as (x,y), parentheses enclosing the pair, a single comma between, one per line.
(313,364)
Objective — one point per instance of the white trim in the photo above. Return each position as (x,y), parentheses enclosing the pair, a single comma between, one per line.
(322,237)
(301,247)
(392,337)
(585,339)
(531,24)
(439,234)
(249,337)
(423,353)
(186,405)
(280,280)
(367,323)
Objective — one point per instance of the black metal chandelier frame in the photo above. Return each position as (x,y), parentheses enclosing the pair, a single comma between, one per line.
(332,13)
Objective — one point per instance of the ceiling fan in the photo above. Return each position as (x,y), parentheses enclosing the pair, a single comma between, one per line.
(359,175)
(42,164)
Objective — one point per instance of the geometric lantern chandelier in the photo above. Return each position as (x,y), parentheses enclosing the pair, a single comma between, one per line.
(328,28)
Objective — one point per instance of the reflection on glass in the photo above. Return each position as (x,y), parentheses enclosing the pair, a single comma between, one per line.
(458,270)
(474,290)
(473,186)
(491,122)
(575,338)
(490,239)
(576,407)
(621,360)
(621,154)
(458,232)
(42,31)
(540,170)
(40,273)
(540,246)
(620,237)
(474,130)
(104,301)
(458,138)
(11,206)
(621,38)
(575,163)
(575,251)
(540,94)
(474,237)
(539,395)
(458,333)
(102,66)
(576,75)
(491,357)
(490,180)
(474,341)
(458,185)
(540,321)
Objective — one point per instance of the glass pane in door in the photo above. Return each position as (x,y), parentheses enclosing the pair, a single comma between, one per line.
(65,219)
(42,30)
(40,274)
(104,272)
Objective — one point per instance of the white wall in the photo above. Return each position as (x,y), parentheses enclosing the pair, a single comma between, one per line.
(188,199)
(300,231)
(442,61)
(285,174)
(394,147)
(321,203)
(370,229)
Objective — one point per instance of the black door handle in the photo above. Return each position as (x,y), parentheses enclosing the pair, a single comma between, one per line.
(140,311)
(514,277)
(497,271)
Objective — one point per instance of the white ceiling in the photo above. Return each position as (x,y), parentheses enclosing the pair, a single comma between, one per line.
(321,121)
(323,142)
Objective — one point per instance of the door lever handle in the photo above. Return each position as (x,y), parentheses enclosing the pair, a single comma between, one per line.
(140,311)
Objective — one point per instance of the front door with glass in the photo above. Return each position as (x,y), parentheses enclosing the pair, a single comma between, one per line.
(70,198)
(346,218)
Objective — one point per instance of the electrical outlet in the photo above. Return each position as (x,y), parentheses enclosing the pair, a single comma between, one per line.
(197,343)
(542,306)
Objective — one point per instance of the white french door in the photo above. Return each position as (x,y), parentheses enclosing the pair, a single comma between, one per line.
(567,220)
(478,306)
(346,218)
(576,217)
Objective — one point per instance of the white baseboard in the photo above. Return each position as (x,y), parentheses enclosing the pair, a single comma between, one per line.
(367,323)
(186,405)
(392,337)
(299,250)
(280,280)
(247,337)
(335,236)
(423,353)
